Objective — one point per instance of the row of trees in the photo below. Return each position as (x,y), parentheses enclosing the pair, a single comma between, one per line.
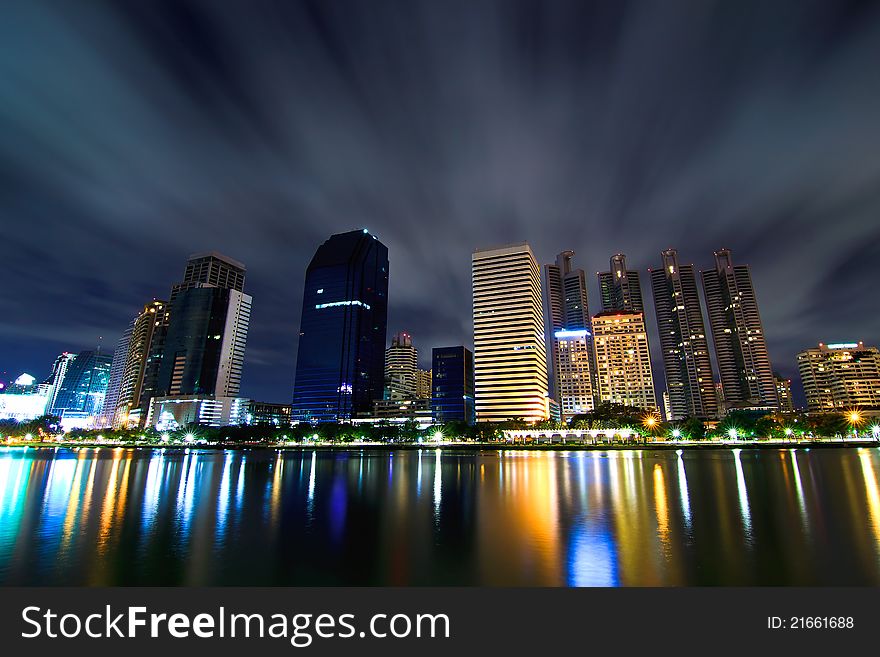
(736,424)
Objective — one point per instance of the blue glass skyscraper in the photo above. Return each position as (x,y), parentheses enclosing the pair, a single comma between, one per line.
(341,355)
(82,389)
(452,383)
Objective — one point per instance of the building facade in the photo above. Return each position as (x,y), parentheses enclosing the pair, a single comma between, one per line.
(783,393)
(82,390)
(572,373)
(268,414)
(620,288)
(623,359)
(738,334)
(452,382)
(687,364)
(401,365)
(198,342)
(144,329)
(423,384)
(510,362)
(114,385)
(340,367)
(182,411)
(840,376)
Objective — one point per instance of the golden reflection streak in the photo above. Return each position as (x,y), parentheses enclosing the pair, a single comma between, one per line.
(107,506)
(71,516)
(873,494)
(661,505)
(275,504)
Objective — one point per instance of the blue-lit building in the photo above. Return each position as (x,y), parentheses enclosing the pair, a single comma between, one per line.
(452,385)
(81,391)
(341,356)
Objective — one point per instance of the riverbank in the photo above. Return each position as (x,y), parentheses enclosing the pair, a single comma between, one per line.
(474,446)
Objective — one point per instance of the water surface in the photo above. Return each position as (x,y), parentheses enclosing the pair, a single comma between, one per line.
(430,517)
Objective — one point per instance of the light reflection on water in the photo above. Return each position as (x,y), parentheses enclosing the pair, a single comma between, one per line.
(568,518)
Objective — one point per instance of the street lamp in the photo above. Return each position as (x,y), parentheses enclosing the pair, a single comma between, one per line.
(788,432)
(650,422)
(733,434)
(854,417)
(676,434)
(875,431)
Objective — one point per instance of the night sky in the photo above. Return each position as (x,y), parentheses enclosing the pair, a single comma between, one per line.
(135,133)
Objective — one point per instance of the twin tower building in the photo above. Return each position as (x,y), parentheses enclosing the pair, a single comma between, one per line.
(539,353)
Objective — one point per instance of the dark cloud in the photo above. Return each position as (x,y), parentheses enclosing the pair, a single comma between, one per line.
(132,134)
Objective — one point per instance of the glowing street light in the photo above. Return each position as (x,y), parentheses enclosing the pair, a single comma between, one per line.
(733,433)
(438,436)
(189,438)
(875,431)
(676,434)
(855,419)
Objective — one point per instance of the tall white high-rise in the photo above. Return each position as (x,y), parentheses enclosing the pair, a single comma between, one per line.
(623,360)
(510,367)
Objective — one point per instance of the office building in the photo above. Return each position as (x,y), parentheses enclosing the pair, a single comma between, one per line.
(623,360)
(738,334)
(82,390)
(452,382)
(423,384)
(620,288)
(197,347)
(840,376)
(205,330)
(56,378)
(686,360)
(183,411)
(24,399)
(570,341)
(146,328)
(510,366)
(340,367)
(401,364)
(114,385)
(416,410)
(573,371)
(268,414)
(783,393)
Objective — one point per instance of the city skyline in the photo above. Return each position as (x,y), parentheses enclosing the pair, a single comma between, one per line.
(601,129)
(651,323)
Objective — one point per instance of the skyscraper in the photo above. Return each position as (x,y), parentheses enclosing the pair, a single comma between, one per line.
(783,393)
(341,354)
(452,382)
(401,363)
(570,341)
(623,360)
(510,366)
(840,376)
(738,334)
(198,346)
(117,369)
(144,329)
(82,390)
(423,384)
(686,360)
(56,378)
(620,288)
